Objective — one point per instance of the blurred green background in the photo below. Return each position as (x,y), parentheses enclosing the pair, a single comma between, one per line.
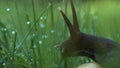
(30,30)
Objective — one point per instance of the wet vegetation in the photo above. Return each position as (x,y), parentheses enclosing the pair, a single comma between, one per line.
(31,30)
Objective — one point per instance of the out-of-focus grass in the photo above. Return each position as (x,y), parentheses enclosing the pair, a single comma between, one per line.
(30,30)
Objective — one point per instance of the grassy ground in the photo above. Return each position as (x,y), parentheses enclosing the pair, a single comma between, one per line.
(31,30)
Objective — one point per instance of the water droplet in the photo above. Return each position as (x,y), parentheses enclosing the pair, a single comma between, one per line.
(40,42)
(32,59)
(34,46)
(41,18)
(34,34)
(28,22)
(91,60)
(87,61)
(4,64)
(7,9)
(42,25)
(52,31)
(13,32)
(45,36)
(59,8)
(4,29)
(50,4)
(11,58)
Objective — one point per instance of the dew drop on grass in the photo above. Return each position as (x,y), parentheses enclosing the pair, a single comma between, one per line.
(87,61)
(31,59)
(40,42)
(34,46)
(4,29)
(52,31)
(41,18)
(4,64)
(42,25)
(28,22)
(13,32)
(44,36)
(11,58)
(91,60)
(7,9)
(34,34)
(49,4)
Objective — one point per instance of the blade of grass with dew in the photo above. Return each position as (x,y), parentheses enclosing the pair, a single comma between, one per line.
(27,34)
